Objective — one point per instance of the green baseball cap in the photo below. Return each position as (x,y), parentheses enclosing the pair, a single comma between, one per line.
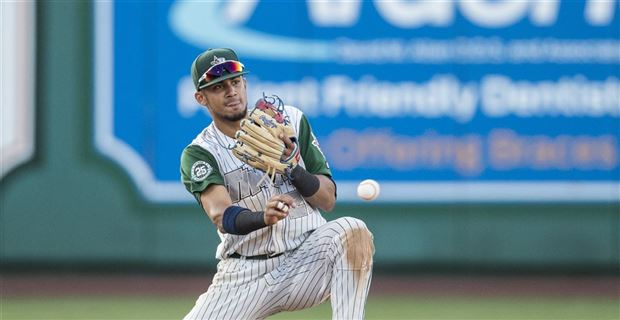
(212,57)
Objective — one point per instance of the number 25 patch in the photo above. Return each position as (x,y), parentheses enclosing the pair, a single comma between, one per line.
(201,170)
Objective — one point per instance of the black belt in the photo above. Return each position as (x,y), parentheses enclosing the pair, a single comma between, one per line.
(258,257)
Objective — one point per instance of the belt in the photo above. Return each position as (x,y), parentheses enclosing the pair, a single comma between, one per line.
(258,257)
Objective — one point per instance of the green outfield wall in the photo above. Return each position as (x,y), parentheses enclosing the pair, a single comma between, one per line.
(70,206)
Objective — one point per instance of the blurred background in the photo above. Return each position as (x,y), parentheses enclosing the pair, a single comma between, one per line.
(492,126)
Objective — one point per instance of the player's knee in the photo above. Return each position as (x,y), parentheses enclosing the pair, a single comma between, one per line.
(358,244)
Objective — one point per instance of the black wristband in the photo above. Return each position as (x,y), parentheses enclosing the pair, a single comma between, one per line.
(241,221)
(305,182)
(249,221)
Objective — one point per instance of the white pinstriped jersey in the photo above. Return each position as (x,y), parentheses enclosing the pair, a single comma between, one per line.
(208,159)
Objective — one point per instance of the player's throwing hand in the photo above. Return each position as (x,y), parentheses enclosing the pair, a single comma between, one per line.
(277,208)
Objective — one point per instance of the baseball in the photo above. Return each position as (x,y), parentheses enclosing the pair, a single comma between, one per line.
(368,190)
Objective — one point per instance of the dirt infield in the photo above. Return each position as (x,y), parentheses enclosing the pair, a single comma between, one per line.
(170,285)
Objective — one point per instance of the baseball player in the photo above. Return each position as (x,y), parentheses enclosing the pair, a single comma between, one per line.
(261,178)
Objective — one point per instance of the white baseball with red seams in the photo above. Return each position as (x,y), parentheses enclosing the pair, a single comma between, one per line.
(368,190)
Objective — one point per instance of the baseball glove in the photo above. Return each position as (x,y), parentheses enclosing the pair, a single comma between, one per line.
(260,141)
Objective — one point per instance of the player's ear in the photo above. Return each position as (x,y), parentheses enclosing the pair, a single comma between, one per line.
(200,98)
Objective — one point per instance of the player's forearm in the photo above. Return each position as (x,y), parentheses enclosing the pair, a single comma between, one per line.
(318,190)
(216,216)
(325,197)
(214,201)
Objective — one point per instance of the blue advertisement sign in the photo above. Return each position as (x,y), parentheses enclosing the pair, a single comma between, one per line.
(439,101)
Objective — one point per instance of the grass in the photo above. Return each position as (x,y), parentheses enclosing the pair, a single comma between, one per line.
(383,307)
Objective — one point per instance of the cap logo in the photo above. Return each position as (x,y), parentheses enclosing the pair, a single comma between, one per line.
(217,60)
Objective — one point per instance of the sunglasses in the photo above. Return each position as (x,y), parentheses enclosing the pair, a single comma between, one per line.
(217,70)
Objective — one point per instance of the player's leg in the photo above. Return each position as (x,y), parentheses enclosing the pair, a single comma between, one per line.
(237,292)
(352,270)
(336,259)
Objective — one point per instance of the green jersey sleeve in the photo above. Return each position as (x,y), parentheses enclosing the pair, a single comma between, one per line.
(311,153)
(199,169)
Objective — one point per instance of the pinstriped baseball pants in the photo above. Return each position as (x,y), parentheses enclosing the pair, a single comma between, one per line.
(335,260)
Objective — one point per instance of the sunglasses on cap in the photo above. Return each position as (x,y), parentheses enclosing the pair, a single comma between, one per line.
(217,70)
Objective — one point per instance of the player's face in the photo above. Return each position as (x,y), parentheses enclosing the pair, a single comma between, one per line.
(227,100)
